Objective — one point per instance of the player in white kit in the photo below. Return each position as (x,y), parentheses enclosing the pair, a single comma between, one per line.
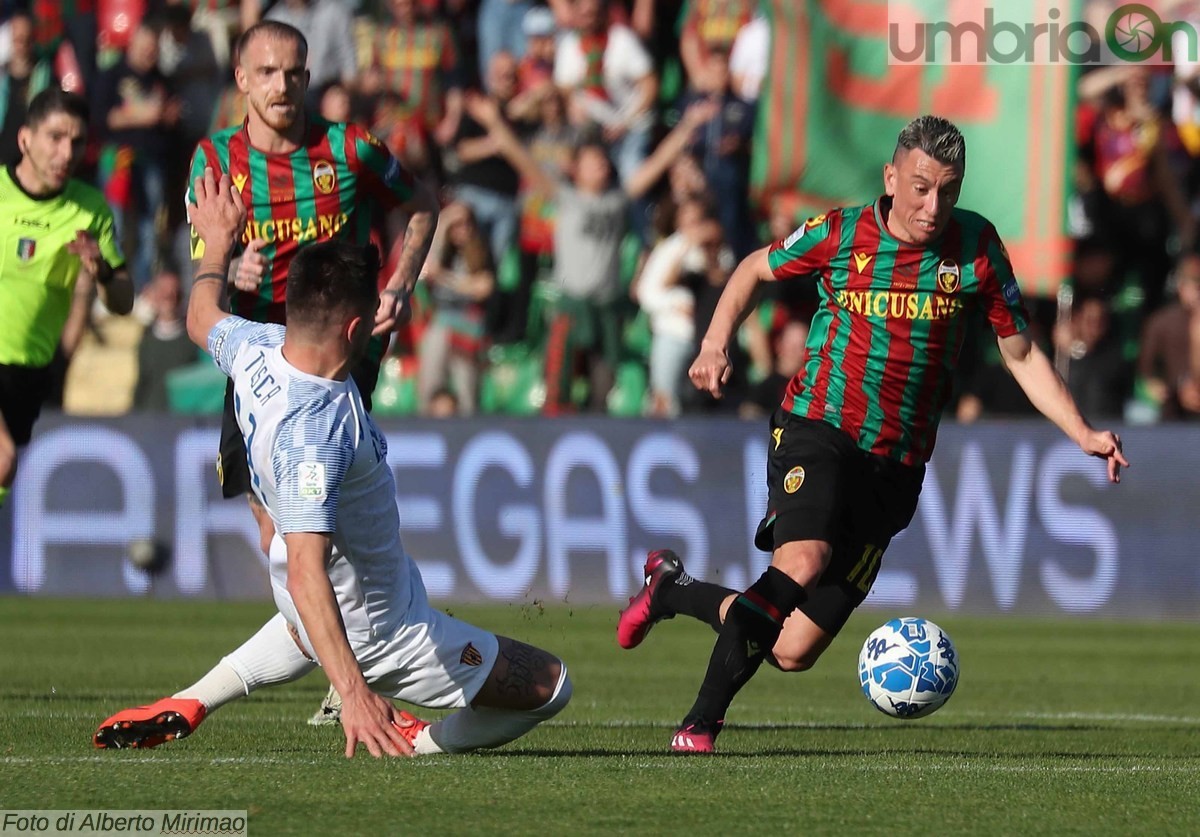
(349,596)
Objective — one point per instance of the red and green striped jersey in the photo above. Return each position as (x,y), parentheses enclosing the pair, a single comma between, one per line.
(417,62)
(339,184)
(885,339)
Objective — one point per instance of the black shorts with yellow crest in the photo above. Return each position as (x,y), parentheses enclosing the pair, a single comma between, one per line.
(821,486)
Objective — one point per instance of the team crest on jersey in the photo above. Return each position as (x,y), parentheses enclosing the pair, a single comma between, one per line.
(311,484)
(471,656)
(26,248)
(324,177)
(793,480)
(948,276)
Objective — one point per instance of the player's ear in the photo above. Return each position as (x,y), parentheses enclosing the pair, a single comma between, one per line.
(889,180)
(23,139)
(239,76)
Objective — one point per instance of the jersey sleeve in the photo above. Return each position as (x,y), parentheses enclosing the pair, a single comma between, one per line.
(807,250)
(381,174)
(310,461)
(201,160)
(106,236)
(1001,295)
(232,333)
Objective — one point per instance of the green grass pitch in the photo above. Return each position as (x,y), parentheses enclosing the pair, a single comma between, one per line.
(1058,726)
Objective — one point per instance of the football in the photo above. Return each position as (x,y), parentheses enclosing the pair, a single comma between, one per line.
(908,667)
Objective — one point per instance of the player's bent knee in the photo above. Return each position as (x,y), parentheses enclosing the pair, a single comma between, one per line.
(794,663)
(560,697)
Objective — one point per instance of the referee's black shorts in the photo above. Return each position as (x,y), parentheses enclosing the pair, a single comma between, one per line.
(822,486)
(232,469)
(23,390)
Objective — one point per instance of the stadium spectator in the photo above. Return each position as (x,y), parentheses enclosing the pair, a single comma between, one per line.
(485,180)
(23,77)
(60,232)
(460,278)
(419,61)
(1166,346)
(552,146)
(501,28)
(359,608)
(535,73)
(670,305)
(711,25)
(865,443)
(443,404)
(610,80)
(589,226)
(722,147)
(74,22)
(1099,377)
(136,112)
(705,273)
(765,397)
(1126,156)
(325,24)
(164,346)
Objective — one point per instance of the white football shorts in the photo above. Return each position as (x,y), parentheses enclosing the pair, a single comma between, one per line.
(433,660)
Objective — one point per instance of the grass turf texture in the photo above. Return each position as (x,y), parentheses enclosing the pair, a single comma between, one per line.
(1057,727)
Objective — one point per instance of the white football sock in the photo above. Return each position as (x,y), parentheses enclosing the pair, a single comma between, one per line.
(268,658)
(476,729)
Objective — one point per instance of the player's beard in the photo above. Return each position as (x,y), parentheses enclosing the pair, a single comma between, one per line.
(277,119)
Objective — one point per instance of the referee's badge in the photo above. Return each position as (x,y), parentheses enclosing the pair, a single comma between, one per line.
(793,480)
(26,248)
(948,276)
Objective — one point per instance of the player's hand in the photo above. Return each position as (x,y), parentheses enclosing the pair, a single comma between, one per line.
(248,271)
(1104,444)
(394,309)
(374,722)
(218,214)
(87,249)
(711,369)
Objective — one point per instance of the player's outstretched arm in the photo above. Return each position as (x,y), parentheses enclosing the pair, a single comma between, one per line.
(422,209)
(218,216)
(711,369)
(1047,391)
(367,718)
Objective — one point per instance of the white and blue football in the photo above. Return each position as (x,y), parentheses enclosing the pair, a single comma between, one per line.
(908,668)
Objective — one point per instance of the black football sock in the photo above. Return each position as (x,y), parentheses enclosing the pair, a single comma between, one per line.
(751,627)
(691,597)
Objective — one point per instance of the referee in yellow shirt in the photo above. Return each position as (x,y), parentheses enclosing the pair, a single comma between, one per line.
(53,230)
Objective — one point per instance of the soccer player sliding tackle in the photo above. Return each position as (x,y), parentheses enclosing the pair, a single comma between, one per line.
(349,597)
(899,280)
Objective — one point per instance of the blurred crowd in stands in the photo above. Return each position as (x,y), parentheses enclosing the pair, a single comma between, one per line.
(593,160)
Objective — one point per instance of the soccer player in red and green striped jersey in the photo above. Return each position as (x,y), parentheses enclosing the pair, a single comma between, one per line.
(898,281)
(303,180)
